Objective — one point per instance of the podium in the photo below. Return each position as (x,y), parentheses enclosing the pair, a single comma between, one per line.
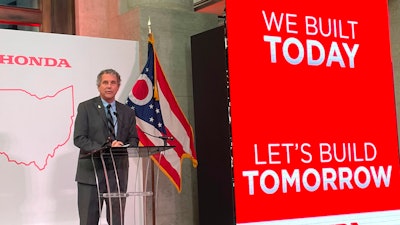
(112,173)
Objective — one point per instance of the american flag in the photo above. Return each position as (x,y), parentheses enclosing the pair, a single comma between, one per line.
(160,120)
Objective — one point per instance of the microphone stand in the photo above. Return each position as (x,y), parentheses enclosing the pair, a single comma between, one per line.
(165,139)
(153,202)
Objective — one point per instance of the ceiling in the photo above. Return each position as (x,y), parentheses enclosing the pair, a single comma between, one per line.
(210,6)
(216,7)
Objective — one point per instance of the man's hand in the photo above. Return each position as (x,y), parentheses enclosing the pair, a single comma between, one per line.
(116,143)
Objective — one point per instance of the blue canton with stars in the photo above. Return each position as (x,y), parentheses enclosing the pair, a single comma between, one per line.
(149,112)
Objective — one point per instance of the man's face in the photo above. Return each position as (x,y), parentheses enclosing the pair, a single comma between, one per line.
(108,87)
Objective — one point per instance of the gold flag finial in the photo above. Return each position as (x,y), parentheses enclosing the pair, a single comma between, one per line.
(149,25)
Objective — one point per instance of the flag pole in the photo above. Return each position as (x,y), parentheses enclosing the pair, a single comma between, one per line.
(152,164)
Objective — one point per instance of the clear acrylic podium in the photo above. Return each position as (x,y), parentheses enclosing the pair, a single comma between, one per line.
(125,173)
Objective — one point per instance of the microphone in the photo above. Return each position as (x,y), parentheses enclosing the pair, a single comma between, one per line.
(116,116)
(107,143)
(160,137)
(166,138)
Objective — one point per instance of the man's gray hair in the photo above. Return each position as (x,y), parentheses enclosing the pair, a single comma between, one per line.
(108,71)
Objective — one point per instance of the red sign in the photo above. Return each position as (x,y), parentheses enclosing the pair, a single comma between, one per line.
(314,125)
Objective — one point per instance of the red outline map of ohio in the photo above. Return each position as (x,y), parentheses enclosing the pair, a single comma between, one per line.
(28,125)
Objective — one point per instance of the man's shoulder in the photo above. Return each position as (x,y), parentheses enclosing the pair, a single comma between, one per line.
(91,101)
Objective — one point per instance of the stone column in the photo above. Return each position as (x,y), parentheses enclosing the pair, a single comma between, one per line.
(173,22)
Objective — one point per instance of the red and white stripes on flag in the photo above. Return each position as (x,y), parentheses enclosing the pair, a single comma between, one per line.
(159,118)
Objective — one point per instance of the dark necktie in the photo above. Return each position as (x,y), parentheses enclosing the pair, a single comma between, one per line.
(110,123)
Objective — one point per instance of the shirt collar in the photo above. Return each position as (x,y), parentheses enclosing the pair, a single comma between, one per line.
(106,103)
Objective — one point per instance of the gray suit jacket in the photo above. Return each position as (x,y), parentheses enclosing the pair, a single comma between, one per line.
(91,134)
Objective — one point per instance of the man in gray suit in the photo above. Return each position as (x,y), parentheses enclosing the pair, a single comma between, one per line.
(92,133)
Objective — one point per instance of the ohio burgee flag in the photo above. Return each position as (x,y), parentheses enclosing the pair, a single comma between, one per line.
(159,118)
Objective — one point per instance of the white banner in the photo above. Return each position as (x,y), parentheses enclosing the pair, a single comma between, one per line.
(43,79)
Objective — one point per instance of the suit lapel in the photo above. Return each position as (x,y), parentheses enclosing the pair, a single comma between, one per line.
(98,104)
(119,117)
